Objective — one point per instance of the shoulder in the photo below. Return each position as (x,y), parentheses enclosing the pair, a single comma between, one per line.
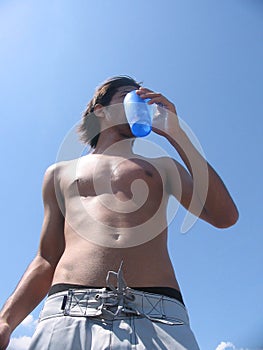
(56,170)
(53,168)
(51,173)
(52,188)
(55,173)
(62,173)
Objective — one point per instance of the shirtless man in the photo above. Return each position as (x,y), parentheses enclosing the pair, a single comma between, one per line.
(106,210)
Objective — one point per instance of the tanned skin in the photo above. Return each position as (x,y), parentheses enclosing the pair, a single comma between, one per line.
(110,206)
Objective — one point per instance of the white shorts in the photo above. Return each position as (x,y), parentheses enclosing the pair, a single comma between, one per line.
(115,318)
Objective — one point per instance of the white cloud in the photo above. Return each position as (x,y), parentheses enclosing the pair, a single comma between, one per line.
(21,343)
(230,346)
(29,321)
(226,346)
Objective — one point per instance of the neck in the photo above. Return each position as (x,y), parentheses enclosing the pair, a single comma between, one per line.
(114,143)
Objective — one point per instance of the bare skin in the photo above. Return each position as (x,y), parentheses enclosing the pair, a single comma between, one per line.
(84,261)
(110,206)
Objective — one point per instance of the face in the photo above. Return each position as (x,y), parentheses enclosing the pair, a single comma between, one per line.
(121,92)
(115,113)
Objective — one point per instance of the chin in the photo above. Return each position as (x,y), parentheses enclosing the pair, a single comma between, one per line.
(125,131)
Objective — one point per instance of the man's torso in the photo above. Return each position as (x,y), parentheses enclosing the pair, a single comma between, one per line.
(115,210)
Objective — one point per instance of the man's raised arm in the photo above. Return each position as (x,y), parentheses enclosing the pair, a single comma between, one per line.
(202,191)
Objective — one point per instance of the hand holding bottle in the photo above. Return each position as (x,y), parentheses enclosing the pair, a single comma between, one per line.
(164,121)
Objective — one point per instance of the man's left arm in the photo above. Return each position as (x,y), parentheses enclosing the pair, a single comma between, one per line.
(202,191)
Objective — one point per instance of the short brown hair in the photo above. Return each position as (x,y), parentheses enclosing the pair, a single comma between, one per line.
(89,128)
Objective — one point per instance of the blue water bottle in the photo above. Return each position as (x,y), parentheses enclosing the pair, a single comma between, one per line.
(138,114)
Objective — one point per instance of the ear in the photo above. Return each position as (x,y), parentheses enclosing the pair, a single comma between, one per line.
(99,110)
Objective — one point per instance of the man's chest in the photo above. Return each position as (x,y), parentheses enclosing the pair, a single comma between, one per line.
(118,176)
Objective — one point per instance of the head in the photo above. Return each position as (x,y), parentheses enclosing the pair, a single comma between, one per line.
(89,127)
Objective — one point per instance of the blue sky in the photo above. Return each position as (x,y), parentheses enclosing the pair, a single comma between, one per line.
(206,56)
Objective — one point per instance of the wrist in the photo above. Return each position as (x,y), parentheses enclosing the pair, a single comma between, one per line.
(6,322)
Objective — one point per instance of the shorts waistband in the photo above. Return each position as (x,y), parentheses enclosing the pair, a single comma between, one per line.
(109,305)
(166,291)
(115,303)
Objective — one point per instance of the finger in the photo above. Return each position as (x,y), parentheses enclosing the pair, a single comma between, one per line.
(161,101)
(151,95)
(143,90)
(156,97)
(146,93)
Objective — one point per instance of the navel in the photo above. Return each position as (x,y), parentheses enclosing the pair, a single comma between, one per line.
(116,236)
